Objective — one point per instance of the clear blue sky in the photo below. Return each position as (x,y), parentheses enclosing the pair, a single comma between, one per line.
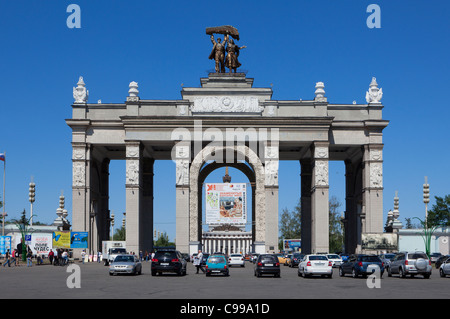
(162,44)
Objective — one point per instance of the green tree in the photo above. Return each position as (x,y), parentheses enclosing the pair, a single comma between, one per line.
(336,235)
(439,214)
(119,235)
(163,241)
(290,225)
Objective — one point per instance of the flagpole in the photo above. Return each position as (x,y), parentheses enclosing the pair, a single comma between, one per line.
(4,173)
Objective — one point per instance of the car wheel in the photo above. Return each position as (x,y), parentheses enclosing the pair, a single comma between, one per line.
(389,272)
(401,273)
(341,272)
(153,273)
(426,276)
(354,273)
(441,273)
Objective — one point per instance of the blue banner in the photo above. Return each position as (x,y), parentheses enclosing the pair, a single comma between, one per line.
(5,243)
(79,240)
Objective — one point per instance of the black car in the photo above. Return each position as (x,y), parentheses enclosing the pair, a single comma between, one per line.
(168,261)
(267,264)
(295,259)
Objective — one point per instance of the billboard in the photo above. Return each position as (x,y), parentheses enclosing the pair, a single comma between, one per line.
(379,241)
(61,239)
(79,240)
(41,243)
(226,203)
(292,244)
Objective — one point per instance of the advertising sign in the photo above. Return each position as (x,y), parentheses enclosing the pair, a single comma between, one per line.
(226,203)
(292,244)
(41,244)
(79,240)
(61,239)
(377,241)
(5,243)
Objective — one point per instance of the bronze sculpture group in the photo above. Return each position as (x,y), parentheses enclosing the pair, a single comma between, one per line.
(225,53)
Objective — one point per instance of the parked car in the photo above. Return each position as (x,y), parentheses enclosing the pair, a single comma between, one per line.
(315,265)
(204,259)
(186,257)
(267,264)
(335,259)
(361,264)
(386,259)
(236,259)
(192,257)
(216,264)
(440,261)
(410,263)
(295,259)
(434,257)
(254,258)
(168,261)
(125,264)
(444,269)
(344,257)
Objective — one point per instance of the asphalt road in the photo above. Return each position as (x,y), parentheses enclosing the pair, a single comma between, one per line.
(51,282)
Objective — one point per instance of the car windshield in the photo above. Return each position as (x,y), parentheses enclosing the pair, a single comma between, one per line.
(370,259)
(216,259)
(236,255)
(118,250)
(318,258)
(167,254)
(417,256)
(333,256)
(389,256)
(124,259)
(268,258)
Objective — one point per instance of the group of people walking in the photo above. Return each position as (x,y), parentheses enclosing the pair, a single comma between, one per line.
(14,257)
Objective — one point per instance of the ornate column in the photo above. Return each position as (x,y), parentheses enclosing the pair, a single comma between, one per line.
(133,186)
(319,198)
(271,161)
(372,199)
(182,162)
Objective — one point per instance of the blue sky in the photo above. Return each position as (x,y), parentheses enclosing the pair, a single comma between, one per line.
(290,44)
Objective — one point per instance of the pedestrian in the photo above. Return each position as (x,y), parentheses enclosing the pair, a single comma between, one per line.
(7,258)
(65,256)
(50,256)
(198,262)
(13,258)
(83,255)
(99,256)
(29,255)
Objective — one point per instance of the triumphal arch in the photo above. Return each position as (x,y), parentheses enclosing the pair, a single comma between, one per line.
(226,121)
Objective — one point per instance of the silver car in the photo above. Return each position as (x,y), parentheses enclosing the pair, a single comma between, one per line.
(125,264)
(410,263)
(444,269)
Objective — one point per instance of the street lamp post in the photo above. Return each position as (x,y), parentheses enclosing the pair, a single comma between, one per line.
(426,198)
(31,198)
(112,225)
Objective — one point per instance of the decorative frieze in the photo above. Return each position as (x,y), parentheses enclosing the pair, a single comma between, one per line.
(78,174)
(226,104)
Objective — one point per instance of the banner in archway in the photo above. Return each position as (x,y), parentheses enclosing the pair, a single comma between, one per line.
(226,203)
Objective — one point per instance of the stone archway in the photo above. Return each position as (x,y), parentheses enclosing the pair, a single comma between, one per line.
(252,158)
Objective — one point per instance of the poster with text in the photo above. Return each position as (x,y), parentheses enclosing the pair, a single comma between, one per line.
(79,239)
(226,203)
(41,244)
(5,244)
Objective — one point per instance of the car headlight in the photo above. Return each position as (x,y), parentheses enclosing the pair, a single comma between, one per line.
(130,267)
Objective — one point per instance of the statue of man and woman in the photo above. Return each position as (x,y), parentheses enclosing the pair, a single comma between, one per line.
(228,47)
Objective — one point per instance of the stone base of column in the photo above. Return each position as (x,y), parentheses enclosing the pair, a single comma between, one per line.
(194,247)
(259,247)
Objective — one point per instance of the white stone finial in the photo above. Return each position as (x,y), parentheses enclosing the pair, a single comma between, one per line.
(133,91)
(320,92)
(80,94)
(374,94)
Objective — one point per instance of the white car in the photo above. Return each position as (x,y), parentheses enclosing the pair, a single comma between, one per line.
(336,260)
(236,260)
(315,265)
